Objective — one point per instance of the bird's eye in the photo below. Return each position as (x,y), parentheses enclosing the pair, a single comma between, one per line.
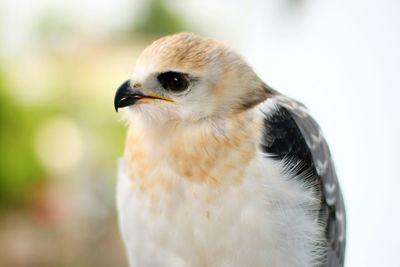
(173,81)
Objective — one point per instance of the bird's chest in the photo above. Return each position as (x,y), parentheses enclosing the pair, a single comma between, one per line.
(202,200)
(192,199)
(195,224)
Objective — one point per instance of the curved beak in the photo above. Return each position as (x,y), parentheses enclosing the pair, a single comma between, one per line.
(126,96)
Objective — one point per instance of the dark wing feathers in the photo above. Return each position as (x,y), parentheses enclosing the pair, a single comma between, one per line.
(293,136)
(284,141)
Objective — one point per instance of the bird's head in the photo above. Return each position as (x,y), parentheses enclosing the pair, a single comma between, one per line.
(187,78)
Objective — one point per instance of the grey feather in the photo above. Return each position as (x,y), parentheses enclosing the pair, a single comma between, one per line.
(332,211)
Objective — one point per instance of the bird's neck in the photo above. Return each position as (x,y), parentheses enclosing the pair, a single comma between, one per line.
(206,152)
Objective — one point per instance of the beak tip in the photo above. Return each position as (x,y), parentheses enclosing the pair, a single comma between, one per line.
(116,106)
(121,92)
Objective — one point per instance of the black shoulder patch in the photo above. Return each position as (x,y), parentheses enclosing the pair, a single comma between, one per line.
(283,140)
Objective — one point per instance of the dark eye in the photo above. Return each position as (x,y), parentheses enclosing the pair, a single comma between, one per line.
(173,81)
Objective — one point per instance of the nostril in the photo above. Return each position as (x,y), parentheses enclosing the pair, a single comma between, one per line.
(137,85)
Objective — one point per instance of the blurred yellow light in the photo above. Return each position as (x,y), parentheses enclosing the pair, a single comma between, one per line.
(59,145)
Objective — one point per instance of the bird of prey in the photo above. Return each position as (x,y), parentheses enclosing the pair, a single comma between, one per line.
(219,169)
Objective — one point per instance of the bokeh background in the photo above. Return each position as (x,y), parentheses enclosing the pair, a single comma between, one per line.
(61,61)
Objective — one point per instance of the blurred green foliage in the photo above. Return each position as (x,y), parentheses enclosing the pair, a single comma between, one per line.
(158,20)
(64,75)
(19,170)
(71,88)
(54,208)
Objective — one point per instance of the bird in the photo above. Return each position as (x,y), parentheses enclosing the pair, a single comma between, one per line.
(219,169)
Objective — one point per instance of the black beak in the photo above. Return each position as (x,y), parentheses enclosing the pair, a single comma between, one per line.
(126,96)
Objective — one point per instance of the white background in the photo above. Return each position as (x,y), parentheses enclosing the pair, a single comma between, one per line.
(342,59)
